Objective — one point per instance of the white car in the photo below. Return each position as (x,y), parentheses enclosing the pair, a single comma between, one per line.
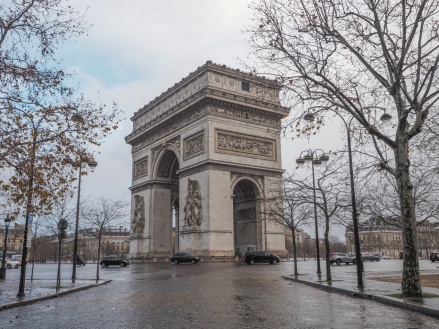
(10,263)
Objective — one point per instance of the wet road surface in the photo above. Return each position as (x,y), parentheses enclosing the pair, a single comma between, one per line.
(206,295)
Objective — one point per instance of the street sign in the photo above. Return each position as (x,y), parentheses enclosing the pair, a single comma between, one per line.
(29,237)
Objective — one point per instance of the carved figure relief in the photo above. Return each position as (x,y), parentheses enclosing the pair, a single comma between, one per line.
(154,152)
(193,213)
(245,144)
(194,145)
(175,142)
(138,223)
(141,168)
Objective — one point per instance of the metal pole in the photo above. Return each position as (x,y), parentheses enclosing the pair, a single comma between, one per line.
(75,245)
(58,277)
(355,217)
(319,272)
(3,268)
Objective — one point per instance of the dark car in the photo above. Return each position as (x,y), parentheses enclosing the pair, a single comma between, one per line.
(339,257)
(184,257)
(434,256)
(251,257)
(114,260)
(371,257)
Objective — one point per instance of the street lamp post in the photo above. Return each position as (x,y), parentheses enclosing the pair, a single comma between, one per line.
(83,160)
(3,268)
(315,161)
(385,117)
(62,227)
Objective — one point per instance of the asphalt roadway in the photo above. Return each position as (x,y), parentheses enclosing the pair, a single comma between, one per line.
(207,295)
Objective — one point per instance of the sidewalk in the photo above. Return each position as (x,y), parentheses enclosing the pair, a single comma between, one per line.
(39,290)
(346,283)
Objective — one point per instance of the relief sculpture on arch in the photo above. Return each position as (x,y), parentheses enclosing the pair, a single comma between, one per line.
(193,213)
(138,223)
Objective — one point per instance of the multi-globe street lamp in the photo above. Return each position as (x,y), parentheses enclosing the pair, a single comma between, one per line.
(3,268)
(384,118)
(82,162)
(316,160)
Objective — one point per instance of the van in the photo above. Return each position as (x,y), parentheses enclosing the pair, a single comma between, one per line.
(251,257)
(16,258)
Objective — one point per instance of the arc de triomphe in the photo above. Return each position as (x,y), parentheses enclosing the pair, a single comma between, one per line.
(205,153)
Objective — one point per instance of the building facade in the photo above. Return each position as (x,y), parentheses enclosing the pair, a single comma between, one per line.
(204,153)
(14,244)
(384,237)
(115,241)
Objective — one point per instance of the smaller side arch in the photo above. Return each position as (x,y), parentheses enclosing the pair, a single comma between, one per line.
(165,161)
(255,183)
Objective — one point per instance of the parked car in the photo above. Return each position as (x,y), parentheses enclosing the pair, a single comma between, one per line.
(338,258)
(251,257)
(184,257)
(371,257)
(114,260)
(10,263)
(434,256)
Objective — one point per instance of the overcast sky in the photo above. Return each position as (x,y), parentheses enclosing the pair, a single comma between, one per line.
(137,49)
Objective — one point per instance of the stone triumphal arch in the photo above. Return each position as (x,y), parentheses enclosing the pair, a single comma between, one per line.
(205,153)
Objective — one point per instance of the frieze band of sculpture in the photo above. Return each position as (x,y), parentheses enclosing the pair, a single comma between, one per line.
(244,144)
(193,213)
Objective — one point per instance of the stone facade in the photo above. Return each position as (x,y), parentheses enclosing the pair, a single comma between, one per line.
(384,237)
(203,152)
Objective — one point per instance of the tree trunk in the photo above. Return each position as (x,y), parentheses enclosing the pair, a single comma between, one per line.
(411,280)
(327,251)
(293,231)
(99,257)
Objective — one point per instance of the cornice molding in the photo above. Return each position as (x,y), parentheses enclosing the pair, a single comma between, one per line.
(227,166)
(209,65)
(160,127)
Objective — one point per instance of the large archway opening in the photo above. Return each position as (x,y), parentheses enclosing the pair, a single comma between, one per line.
(165,221)
(245,216)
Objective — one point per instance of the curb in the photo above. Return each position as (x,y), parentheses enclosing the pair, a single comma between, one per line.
(59,294)
(385,300)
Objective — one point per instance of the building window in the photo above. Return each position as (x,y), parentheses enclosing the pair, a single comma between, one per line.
(245,85)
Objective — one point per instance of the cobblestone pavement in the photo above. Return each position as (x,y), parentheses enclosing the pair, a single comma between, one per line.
(209,295)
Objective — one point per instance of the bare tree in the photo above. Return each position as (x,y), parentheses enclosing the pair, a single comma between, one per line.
(284,208)
(37,227)
(102,213)
(328,200)
(371,59)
